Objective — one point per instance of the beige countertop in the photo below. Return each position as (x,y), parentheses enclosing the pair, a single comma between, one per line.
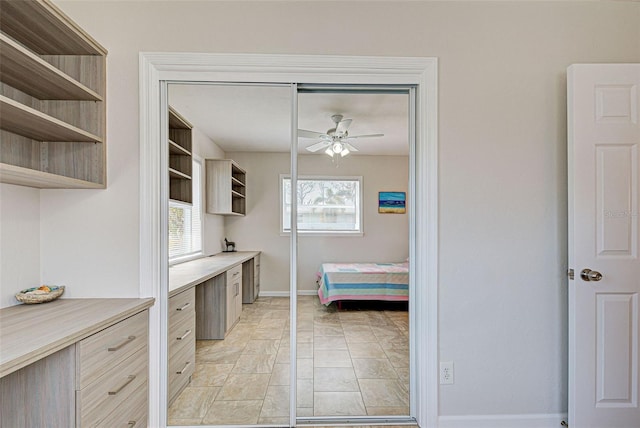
(188,274)
(29,333)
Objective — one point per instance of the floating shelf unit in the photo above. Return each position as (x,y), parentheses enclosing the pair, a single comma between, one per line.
(180,158)
(52,99)
(226,187)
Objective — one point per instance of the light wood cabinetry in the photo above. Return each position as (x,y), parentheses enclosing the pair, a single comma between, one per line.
(211,308)
(234,296)
(41,394)
(111,367)
(251,280)
(218,301)
(52,99)
(226,187)
(98,377)
(180,158)
(181,342)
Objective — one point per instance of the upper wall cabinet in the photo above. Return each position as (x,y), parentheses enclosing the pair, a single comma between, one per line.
(180,162)
(52,99)
(226,187)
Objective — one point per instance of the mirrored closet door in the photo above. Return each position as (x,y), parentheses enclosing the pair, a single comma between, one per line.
(289,211)
(353,248)
(228,332)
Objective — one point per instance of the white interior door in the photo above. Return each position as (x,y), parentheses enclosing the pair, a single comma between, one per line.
(604,223)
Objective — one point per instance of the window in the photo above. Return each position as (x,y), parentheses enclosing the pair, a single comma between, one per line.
(325,205)
(185,221)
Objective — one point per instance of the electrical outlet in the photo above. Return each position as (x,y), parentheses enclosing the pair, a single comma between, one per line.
(446,373)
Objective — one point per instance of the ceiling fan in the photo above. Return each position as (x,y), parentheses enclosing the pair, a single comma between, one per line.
(335,140)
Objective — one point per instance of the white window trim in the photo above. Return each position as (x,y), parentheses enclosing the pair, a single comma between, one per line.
(196,254)
(324,233)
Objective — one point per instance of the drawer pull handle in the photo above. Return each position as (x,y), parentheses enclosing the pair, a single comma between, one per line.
(236,273)
(184,369)
(183,307)
(127,340)
(132,424)
(129,380)
(186,333)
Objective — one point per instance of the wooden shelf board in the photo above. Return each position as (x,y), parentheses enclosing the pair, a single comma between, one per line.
(237,194)
(29,73)
(177,121)
(45,29)
(31,123)
(236,181)
(20,176)
(177,149)
(174,173)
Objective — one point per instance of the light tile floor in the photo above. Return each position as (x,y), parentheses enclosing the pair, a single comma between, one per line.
(350,362)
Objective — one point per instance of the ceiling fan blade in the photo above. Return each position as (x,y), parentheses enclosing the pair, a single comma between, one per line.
(309,134)
(350,147)
(342,126)
(364,136)
(319,146)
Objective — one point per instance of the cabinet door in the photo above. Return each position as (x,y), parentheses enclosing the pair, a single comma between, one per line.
(256,276)
(238,301)
(231,306)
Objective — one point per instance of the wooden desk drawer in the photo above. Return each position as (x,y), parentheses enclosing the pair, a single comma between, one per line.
(181,306)
(182,335)
(132,413)
(114,388)
(234,274)
(102,351)
(181,367)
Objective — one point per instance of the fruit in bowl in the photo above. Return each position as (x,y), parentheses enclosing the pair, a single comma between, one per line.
(42,294)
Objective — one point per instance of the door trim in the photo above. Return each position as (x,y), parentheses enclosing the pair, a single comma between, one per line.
(157,69)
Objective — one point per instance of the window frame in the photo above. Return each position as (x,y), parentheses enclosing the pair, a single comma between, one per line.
(342,233)
(199,253)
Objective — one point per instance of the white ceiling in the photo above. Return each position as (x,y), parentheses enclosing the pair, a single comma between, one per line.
(257,118)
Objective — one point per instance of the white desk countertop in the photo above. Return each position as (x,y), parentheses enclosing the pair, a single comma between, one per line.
(189,274)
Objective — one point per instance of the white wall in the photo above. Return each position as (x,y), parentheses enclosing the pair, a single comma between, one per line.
(19,241)
(386,236)
(212,225)
(502,137)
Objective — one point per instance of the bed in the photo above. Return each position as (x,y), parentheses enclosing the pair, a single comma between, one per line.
(363,281)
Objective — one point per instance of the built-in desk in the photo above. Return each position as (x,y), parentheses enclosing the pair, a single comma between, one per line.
(205,298)
(74,362)
(185,275)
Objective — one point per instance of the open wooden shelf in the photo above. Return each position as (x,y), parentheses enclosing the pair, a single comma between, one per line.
(32,178)
(29,73)
(180,160)
(45,29)
(226,187)
(52,102)
(177,149)
(174,173)
(31,123)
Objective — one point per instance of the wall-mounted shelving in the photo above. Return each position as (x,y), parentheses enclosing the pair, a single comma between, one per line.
(52,99)
(180,158)
(226,187)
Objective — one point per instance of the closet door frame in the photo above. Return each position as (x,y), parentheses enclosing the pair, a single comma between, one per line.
(157,70)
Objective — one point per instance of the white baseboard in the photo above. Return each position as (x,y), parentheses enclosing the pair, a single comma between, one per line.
(286,293)
(503,421)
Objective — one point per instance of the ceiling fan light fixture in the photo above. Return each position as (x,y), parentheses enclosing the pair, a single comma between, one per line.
(337,147)
(344,152)
(329,151)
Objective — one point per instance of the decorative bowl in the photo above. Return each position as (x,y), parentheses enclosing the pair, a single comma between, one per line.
(40,294)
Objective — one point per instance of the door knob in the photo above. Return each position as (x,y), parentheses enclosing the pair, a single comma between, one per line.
(590,275)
